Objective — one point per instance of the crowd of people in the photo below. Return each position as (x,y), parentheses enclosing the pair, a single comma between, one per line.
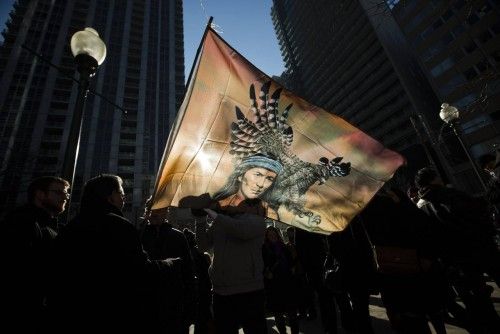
(423,251)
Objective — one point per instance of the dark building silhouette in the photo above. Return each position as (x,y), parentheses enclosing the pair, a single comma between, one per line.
(458,46)
(143,72)
(343,60)
(363,60)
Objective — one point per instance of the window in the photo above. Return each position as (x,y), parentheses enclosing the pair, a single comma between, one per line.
(457,55)
(441,67)
(446,16)
(459,4)
(476,123)
(470,74)
(429,53)
(456,81)
(473,18)
(465,101)
(470,47)
(485,36)
(496,56)
(438,23)
(457,30)
(496,28)
(427,32)
(416,20)
(483,66)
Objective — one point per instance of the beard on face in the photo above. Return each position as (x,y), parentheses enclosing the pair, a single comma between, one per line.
(56,207)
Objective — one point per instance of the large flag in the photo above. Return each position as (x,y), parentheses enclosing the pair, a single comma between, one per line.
(239,135)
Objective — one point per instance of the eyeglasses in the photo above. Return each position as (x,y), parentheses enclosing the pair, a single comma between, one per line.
(60,193)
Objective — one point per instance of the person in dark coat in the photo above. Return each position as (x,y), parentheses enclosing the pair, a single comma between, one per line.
(312,251)
(464,223)
(162,241)
(105,277)
(357,278)
(394,223)
(299,275)
(468,249)
(203,316)
(279,281)
(27,239)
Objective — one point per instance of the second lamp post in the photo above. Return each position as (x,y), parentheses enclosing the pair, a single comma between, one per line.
(450,115)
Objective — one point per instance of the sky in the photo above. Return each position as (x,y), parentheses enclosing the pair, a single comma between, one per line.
(5,7)
(245,25)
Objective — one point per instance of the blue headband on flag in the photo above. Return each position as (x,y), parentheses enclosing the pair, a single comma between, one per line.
(264,162)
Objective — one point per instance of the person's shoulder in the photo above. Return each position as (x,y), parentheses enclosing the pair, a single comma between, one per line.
(119,220)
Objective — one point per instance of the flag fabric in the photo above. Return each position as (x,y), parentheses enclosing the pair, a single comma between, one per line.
(239,136)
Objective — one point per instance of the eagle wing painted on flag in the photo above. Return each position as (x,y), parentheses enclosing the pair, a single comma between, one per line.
(271,135)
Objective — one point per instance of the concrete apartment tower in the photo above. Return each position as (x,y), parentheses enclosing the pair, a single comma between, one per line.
(368,62)
(458,46)
(143,73)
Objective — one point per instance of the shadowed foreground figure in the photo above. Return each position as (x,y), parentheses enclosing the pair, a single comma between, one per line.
(26,243)
(468,249)
(202,261)
(162,241)
(281,288)
(105,278)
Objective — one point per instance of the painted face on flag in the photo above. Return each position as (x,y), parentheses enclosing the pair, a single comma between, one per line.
(255,182)
(254,177)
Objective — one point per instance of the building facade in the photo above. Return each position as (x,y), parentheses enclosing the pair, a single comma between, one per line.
(354,59)
(143,73)
(336,58)
(458,46)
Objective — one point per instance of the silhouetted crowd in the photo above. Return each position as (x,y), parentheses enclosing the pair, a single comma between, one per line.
(431,253)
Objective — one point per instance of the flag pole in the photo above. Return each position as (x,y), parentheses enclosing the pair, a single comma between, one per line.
(170,139)
(209,24)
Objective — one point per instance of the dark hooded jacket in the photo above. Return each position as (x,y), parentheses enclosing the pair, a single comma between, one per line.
(176,306)
(106,279)
(463,223)
(27,242)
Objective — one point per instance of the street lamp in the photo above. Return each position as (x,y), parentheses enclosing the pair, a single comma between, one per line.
(450,115)
(89,52)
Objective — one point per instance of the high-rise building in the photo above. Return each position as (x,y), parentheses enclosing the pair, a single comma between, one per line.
(143,73)
(458,45)
(338,59)
(353,58)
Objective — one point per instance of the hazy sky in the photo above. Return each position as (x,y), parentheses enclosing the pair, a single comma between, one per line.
(244,24)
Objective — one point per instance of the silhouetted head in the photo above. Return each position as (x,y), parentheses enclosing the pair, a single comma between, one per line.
(487,162)
(102,192)
(425,177)
(49,193)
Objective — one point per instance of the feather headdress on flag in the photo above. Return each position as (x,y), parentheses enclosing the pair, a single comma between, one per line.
(270,134)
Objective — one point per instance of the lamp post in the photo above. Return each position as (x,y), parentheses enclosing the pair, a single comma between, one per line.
(89,52)
(450,115)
